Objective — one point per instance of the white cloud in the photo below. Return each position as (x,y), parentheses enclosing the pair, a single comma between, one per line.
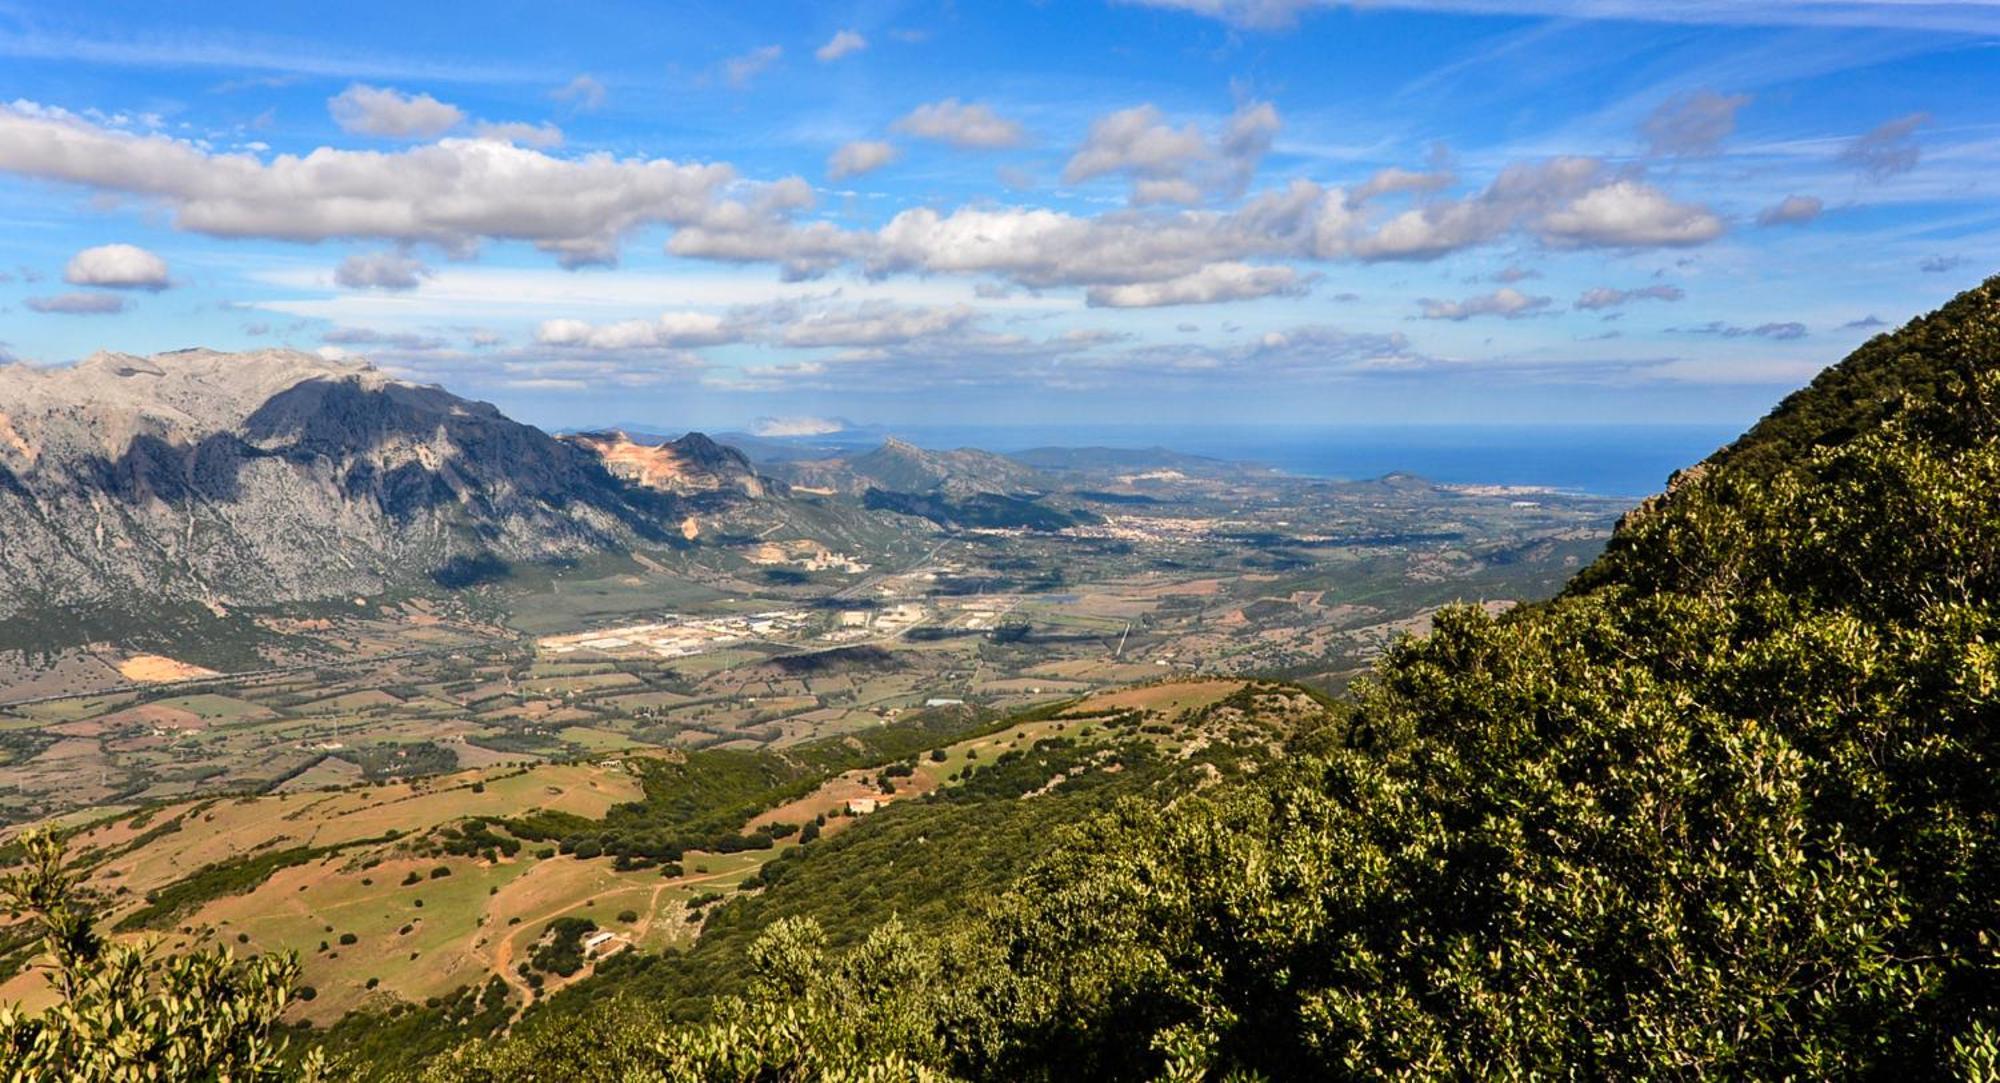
(1694,123)
(78,304)
(381,271)
(780,427)
(1136,141)
(542,135)
(841,44)
(672,330)
(854,159)
(1213,283)
(1629,214)
(453,193)
(1505,302)
(962,125)
(1566,201)
(583,93)
(740,70)
(459,192)
(381,111)
(1167,164)
(1791,210)
(117,266)
(1603,297)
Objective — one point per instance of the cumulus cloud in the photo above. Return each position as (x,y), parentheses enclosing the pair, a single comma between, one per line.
(1629,214)
(854,159)
(1563,202)
(1513,273)
(117,266)
(1791,211)
(1505,302)
(1693,123)
(453,193)
(1137,141)
(1887,149)
(380,111)
(1780,331)
(78,304)
(782,427)
(968,125)
(1566,201)
(542,135)
(583,93)
(740,70)
(1603,297)
(842,43)
(1213,283)
(459,192)
(394,271)
(1168,164)
(672,330)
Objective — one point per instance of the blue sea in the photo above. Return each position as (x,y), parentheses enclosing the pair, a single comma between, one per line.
(1628,461)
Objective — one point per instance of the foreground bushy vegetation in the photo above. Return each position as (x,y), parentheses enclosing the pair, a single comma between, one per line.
(1725,808)
(127,1014)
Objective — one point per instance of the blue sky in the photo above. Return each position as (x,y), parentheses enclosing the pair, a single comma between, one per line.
(1163,212)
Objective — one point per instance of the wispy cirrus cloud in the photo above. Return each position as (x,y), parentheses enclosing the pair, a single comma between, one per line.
(1960,16)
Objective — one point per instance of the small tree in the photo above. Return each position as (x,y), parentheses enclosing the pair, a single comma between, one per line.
(127,1014)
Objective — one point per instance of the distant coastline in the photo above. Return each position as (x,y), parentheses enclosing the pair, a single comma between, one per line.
(1626,461)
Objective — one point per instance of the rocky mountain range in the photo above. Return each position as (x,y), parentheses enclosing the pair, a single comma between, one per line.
(229,479)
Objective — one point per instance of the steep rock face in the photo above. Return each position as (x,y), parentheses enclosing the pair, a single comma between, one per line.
(690,465)
(230,479)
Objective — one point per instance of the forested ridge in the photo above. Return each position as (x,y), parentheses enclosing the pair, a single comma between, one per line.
(1726,807)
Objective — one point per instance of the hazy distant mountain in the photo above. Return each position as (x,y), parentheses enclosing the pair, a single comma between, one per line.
(692,464)
(902,467)
(230,479)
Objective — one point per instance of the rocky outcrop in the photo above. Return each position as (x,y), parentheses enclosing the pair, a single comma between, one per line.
(690,465)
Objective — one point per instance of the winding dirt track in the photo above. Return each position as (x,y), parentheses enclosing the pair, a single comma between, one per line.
(499,952)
